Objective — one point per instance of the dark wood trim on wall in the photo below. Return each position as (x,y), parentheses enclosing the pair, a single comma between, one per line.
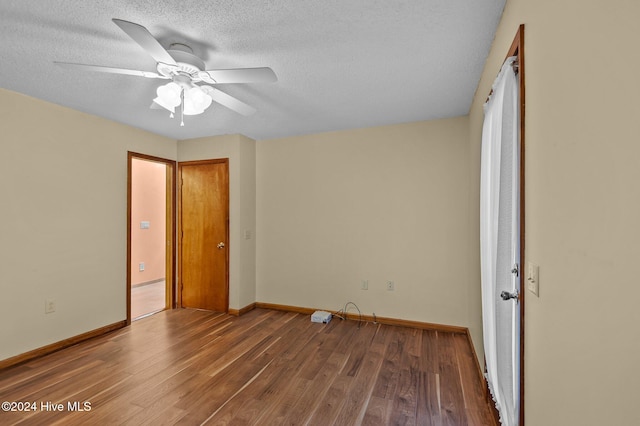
(475,357)
(368,318)
(517,49)
(242,311)
(130,157)
(488,399)
(46,350)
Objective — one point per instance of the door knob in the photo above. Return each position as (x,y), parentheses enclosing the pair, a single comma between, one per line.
(220,245)
(506,295)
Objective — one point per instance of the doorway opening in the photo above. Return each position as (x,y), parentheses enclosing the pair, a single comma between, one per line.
(150,236)
(502,236)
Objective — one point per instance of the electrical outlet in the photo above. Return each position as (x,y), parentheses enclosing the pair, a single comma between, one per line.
(364,285)
(49,306)
(391,286)
(141,266)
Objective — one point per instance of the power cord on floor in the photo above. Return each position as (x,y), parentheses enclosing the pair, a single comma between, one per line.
(342,313)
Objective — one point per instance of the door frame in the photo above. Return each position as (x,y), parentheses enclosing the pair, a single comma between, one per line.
(180,232)
(170,252)
(517,49)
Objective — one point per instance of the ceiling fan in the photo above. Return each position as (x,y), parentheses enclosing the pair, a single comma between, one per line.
(185,70)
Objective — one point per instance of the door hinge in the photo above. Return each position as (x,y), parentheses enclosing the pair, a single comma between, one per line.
(515,270)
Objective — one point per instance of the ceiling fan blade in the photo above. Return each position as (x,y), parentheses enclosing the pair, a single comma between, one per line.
(110,70)
(239,75)
(143,37)
(228,101)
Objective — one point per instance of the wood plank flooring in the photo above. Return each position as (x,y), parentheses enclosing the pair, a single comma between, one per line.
(147,298)
(266,367)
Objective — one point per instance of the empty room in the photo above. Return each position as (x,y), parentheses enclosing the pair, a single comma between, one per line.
(304,212)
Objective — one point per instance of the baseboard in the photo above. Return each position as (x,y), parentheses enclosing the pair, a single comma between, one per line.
(147,283)
(241,311)
(487,393)
(286,308)
(478,367)
(490,403)
(46,350)
(370,318)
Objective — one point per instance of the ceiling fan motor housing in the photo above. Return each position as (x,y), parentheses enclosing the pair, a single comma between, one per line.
(188,63)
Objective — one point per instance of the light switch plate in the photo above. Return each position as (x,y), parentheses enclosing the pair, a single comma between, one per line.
(49,306)
(533,284)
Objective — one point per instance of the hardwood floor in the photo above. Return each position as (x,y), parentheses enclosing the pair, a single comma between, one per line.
(147,298)
(266,367)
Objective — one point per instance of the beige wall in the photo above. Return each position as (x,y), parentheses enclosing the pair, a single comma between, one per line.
(63,220)
(240,151)
(63,227)
(390,203)
(376,204)
(247,270)
(148,203)
(582,205)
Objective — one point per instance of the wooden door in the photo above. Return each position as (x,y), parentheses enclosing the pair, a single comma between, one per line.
(203,234)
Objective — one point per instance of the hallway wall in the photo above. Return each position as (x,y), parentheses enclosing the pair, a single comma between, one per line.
(63,229)
(582,205)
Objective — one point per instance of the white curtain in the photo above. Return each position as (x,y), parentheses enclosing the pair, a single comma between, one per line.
(499,241)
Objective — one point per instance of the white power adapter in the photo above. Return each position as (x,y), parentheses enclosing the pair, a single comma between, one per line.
(321,317)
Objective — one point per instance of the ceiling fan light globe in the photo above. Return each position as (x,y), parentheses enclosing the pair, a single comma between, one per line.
(170,95)
(195,101)
(160,102)
(189,109)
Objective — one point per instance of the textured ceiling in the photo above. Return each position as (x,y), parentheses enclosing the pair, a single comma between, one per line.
(340,64)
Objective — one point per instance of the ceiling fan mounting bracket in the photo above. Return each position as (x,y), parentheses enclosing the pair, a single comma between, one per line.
(187,63)
(181,47)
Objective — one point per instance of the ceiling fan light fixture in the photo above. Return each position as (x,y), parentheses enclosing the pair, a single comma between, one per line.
(169,108)
(196,101)
(168,96)
(184,69)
